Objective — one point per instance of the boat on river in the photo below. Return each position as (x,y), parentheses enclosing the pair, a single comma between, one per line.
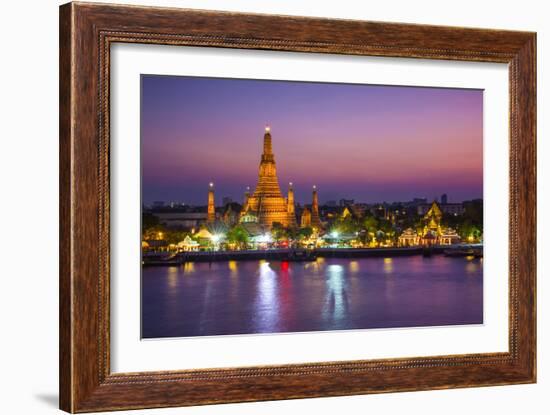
(165,259)
(464,250)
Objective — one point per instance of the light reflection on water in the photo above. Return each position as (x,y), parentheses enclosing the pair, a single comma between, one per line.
(266,305)
(472,267)
(242,297)
(335,300)
(172,278)
(353,266)
(189,267)
(388,265)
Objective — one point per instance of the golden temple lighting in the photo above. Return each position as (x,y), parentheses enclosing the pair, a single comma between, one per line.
(267,204)
(211,210)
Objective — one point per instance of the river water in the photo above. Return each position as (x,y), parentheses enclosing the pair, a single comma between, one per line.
(244,297)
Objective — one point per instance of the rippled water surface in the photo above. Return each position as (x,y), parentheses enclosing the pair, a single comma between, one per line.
(242,297)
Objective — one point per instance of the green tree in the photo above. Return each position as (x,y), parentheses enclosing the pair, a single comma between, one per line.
(154,232)
(473,212)
(279,232)
(174,236)
(385,226)
(305,233)
(348,225)
(292,233)
(370,223)
(413,221)
(465,229)
(148,220)
(239,236)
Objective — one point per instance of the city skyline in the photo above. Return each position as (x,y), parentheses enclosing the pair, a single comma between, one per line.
(365,142)
(221,200)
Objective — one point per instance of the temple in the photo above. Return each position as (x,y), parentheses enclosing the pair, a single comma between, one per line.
(432,233)
(432,221)
(267,205)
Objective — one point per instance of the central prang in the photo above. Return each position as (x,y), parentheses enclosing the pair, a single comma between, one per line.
(267,204)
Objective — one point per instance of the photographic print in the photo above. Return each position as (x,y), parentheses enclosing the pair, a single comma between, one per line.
(284,206)
(259,207)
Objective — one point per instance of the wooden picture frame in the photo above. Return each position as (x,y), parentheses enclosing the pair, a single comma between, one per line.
(86,33)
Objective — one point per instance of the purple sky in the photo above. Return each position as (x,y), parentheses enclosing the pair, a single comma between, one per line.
(364,142)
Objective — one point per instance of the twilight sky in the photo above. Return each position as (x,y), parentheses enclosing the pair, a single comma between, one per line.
(364,142)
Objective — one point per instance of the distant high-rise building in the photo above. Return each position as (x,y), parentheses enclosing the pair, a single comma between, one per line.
(444,199)
(418,201)
(346,202)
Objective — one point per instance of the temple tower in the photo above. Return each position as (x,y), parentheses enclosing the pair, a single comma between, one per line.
(290,206)
(315,219)
(306,218)
(211,211)
(432,219)
(267,201)
(246,197)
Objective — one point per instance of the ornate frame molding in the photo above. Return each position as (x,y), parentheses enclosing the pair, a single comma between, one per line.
(86,33)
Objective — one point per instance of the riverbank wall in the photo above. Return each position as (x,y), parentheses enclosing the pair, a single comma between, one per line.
(283,254)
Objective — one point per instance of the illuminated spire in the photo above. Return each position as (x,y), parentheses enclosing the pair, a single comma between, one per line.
(305,220)
(246,198)
(315,219)
(267,201)
(268,150)
(290,206)
(211,211)
(315,201)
